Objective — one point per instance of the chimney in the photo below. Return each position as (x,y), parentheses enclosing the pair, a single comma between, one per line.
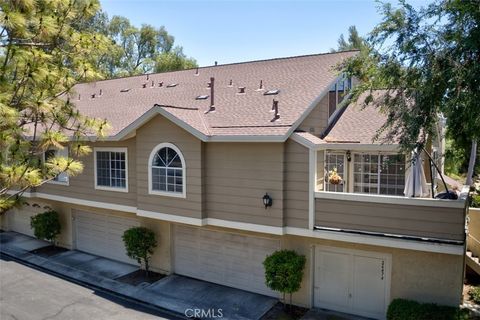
(212,92)
(275,109)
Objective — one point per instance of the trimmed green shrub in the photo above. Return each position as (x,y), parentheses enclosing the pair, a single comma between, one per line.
(46,225)
(140,243)
(474,294)
(284,271)
(401,309)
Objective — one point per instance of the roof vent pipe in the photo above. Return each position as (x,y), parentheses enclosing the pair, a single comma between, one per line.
(241,89)
(147,77)
(231,83)
(275,109)
(144,85)
(93,96)
(101,92)
(212,91)
(160,84)
(153,83)
(78,96)
(216,63)
(261,85)
(196,72)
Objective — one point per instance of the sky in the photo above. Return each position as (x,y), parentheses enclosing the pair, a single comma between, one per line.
(236,31)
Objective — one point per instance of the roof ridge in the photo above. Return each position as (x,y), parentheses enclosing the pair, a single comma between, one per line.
(225,64)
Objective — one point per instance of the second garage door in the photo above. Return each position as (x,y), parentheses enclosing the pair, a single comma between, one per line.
(225,258)
(101,234)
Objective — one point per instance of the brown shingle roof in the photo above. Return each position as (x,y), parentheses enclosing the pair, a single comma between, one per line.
(300,81)
(357,124)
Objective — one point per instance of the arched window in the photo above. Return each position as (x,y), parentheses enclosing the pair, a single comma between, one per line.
(166,171)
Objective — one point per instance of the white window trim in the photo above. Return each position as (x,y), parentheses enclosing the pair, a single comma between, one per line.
(346,176)
(183,194)
(110,149)
(65,154)
(352,163)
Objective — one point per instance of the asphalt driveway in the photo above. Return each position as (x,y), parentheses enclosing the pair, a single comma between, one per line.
(29,294)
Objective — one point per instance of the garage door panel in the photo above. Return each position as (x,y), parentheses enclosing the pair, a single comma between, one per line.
(101,234)
(225,258)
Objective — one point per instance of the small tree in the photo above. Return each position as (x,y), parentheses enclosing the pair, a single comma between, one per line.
(284,271)
(140,243)
(46,225)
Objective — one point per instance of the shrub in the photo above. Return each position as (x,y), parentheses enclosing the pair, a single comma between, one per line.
(475,201)
(401,309)
(46,225)
(284,271)
(140,243)
(474,294)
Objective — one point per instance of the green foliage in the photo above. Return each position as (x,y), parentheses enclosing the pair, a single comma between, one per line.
(400,309)
(474,292)
(140,243)
(43,54)
(284,271)
(46,225)
(354,41)
(475,201)
(426,62)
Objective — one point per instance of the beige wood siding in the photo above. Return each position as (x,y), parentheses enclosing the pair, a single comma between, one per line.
(422,221)
(161,130)
(296,185)
(317,120)
(237,175)
(82,186)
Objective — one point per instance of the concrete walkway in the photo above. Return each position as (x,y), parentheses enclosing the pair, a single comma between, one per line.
(174,293)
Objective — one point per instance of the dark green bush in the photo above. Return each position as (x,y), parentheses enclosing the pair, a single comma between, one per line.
(140,243)
(474,294)
(46,225)
(401,309)
(284,271)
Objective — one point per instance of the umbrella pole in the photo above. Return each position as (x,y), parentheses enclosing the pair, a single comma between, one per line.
(438,170)
(431,178)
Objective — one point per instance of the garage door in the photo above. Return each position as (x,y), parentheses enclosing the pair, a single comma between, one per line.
(224,258)
(101,234)
(18,219)
(352,281)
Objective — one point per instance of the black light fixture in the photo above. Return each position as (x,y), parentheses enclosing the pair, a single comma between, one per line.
(349,156)
(267,201)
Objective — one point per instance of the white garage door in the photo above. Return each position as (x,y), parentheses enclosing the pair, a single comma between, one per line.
(101,234)
(352,281)
(18,219)
(224,258)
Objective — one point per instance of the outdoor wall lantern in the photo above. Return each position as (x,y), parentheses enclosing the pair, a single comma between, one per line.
(349,156)
(267,201)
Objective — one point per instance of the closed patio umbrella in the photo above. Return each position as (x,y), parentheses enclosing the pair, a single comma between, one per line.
(416,183)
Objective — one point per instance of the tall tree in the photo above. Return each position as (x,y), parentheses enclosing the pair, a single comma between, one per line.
(354,41)
(42,55)
(427,62)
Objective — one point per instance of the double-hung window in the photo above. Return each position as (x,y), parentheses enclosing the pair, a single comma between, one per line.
(111,169)
(61,178)
(379,174)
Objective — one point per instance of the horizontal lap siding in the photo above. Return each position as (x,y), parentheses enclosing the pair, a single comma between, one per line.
(82,186)
(160,130)
(317,120)
(237,175)
(296,185)
(435,222)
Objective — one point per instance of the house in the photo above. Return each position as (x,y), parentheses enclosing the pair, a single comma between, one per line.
(192,153)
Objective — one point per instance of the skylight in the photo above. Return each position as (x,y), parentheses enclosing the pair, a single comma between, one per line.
(271,92)
(202,97)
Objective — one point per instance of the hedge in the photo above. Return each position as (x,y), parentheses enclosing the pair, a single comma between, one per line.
(401,309)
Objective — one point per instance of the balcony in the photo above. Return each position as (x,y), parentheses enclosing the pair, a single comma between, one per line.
(368,199)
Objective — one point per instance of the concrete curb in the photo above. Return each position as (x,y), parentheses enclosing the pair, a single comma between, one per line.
(121,290)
